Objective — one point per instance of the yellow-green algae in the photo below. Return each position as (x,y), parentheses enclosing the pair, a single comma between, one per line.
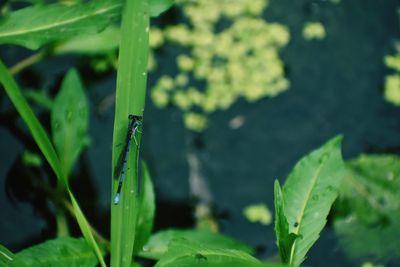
(314,31)
(221,63)
(392,81)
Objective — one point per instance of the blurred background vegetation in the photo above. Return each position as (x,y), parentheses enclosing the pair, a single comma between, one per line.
(238,92)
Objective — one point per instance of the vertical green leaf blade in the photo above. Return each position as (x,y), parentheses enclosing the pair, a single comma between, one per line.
(39,134)
(69,120)
(285,239)
(130,97)
(309,193)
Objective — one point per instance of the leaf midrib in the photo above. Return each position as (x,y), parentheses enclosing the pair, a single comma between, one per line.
(54,25)
(299,218)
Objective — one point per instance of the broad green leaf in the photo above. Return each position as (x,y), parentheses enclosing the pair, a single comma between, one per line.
(308,194)
(284,239)
(66,251)
(362,241)
(368,208)
(146,212)
(158,243)
(69,120)
(99,43)
(182,252)
(129,98)
(36,26)
(42,140)
(159,6)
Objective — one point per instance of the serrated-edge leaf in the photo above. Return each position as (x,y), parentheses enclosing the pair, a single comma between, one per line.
(309,193)
(284,239)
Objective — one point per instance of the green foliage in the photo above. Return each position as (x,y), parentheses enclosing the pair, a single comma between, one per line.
(284,239)
(182,252)
(221,65)
(7,258)
(146,212)
(91,44)
(66,251)
(308,194)
(36,26)
(42,140)
(69,121)
(156,7)
(159,242)
(130,97)
(368,207)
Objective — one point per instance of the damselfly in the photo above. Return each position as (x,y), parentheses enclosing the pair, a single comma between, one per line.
(134,123)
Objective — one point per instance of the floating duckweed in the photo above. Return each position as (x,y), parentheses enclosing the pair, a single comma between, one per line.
(392,82)
(160,97)
(393,62)
(239,61)
(156,38)
(181,101)
(392,89)
(181,80)
(166,83)
(195,96)
(194,121)
(314,31)
(185,63)
(258,213)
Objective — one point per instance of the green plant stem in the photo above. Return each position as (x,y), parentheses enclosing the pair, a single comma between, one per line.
(130,99)
(29,61)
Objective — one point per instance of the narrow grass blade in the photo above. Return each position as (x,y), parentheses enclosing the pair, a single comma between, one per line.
(130,97)
(38,133)
(42,140)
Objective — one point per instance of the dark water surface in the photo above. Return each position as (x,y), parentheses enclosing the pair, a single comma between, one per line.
(336,87)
